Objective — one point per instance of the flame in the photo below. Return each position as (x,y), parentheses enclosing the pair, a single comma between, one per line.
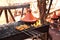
(37,24)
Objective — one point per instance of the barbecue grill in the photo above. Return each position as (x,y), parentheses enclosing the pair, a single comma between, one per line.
(10,33)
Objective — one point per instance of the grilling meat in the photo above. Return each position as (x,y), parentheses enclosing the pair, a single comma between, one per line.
(22,27)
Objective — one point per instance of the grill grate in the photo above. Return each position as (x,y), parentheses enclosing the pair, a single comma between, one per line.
(9,30)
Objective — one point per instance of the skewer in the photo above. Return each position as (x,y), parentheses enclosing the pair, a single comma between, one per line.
(35,36)
(26,33)
(39,36)
(30,33)
(35,32)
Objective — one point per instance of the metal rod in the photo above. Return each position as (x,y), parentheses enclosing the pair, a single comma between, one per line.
(35,32)
(26,33)
(31,33)
(49,6)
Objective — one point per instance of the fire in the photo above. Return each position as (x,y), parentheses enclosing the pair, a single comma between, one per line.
(37,24)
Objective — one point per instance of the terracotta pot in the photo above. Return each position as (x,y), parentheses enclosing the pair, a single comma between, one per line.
(54,16)
(29,17)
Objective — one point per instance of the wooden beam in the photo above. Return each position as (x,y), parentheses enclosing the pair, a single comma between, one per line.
(14,7)
(11,14)
(6,16)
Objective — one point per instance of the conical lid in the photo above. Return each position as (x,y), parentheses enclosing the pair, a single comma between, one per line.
(54,15)
(29,17)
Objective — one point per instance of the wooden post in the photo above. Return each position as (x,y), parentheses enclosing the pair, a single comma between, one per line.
(42,9)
